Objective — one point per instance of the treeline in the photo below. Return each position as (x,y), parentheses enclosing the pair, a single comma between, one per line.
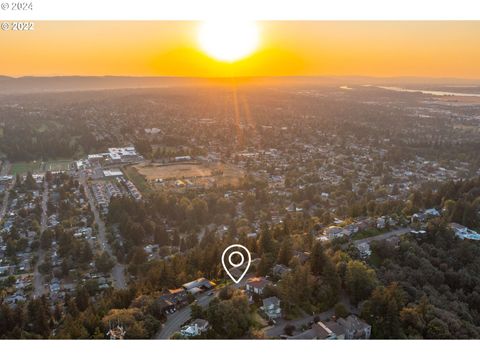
(459,199)
(431,287)
(88,314)
(28,139)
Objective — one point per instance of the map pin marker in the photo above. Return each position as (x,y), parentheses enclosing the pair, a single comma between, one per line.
(229,255)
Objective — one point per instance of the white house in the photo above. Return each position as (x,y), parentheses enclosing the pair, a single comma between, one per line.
(195,328)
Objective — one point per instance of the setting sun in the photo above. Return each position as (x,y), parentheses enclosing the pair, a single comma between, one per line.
(228,40)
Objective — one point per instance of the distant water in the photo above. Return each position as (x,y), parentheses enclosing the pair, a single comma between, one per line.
(428,92)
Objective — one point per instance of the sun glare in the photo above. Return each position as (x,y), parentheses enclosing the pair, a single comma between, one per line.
(228,41)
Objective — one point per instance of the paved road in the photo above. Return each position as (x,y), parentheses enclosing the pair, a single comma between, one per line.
(174,321)
(118,271)
(384,236)
(38,284)
(278,329)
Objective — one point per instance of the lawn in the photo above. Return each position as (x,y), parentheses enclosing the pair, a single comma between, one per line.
(368,233)
(138,179)
(24,167)
(58,165)
(258,321)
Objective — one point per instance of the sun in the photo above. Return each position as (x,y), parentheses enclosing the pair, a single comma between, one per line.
(228,41)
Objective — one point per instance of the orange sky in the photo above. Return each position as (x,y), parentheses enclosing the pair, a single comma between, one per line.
(430,49)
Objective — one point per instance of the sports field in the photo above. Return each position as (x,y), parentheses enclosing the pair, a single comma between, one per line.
(36,167)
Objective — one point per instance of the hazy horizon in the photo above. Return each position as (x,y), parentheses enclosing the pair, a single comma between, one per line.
(319,76)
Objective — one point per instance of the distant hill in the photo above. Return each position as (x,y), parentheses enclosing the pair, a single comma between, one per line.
(33,84)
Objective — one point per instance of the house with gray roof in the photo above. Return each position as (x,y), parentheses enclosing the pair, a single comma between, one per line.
(271,307)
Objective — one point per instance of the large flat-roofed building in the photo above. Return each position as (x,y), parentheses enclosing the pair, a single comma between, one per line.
(112,173)
(123,154)
(115,155)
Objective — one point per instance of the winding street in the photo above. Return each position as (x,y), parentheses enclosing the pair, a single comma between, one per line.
(176,320)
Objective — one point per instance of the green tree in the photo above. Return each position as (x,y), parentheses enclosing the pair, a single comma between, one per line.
(286,252)
(383,311)
(295,290)
(437,329)
(265,243)
(360,280)
(341,310)
(104,262)
(317,259)
(161,236)
(230,319)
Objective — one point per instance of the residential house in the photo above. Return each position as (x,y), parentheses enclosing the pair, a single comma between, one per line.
(355,328)
(334,232)
(166,306)
(271,307)
(198,285)
(364,249)
(431,213)
(195,328)
(381,222)
(301,256)
(12,300)
(178,297)
(257,285)
(279,270)
(463,232)
(363,224)
(321,331)
(350,229)
(350,328)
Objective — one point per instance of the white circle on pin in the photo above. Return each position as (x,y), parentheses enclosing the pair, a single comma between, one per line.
(240,262)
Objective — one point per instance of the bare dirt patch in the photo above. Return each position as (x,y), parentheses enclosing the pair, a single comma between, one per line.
(200,174)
